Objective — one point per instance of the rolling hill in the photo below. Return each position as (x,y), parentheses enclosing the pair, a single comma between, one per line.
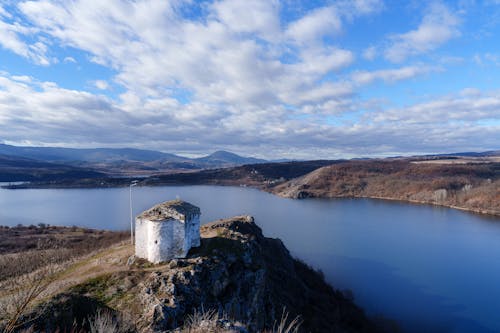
(56,154)
(14,169)
(221,157)
(117,161)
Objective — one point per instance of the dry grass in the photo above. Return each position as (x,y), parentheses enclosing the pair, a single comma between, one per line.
(211,321)
(203,321)
(21,247)
(20,293)
(285,325)
(474,187)
(45,260)
(103,322)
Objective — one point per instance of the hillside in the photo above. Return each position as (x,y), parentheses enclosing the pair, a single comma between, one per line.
(14,169)
(123,161)
(225,158)
(262,175)
(238,271)
(469,183)
(472,186)
(57,154)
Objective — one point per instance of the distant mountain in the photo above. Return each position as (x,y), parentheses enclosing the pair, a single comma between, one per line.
(285,160)
(13,168)
(475,154)
(221,158)
(122,161)
(489,153)
(55,154)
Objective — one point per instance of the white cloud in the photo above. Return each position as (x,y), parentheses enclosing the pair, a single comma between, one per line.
(470,92)
(323,60)
(391,75)
(438,26)
(69,60)
(315,25)
(22,78)
(240,78)
(60,116)
(494,58)
(258,16)
(486,59)
(327,21)
(101,84)
(370,53)
(354,8)
(11,39)
(468,105)
(3,12)
(221,60)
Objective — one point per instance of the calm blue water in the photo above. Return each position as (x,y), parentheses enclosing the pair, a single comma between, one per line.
(432,269)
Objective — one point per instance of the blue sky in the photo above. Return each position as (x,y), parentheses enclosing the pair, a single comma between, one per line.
(273,79)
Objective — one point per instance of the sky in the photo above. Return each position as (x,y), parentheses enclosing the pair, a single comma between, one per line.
(272,79)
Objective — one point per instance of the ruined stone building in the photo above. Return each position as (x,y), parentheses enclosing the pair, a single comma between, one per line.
(167,230)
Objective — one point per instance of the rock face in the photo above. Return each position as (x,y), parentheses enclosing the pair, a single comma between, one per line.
(250,278)
(167,230)
(237,272)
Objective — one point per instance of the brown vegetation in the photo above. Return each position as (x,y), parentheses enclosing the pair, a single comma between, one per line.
(32,258)
(474,187)
(21,248)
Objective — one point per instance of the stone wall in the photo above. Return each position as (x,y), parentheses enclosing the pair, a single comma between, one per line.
(162,240)
(193,232)
(141,238)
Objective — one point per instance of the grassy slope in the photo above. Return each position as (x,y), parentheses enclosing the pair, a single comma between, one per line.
(474,187)
(24,249)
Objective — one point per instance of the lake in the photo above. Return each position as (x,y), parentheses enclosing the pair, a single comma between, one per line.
(432,269)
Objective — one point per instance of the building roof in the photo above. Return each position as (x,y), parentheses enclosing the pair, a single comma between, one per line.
(174,209)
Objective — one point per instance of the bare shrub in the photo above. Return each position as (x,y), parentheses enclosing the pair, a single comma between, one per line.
(210,321)
(20,293)
(103,322)
(286,326)
(202,321)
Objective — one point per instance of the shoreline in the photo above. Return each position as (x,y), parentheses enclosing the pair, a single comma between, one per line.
(480,211)
(485,212)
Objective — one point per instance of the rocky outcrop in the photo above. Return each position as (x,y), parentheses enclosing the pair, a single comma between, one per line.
(236,271)
(248,277)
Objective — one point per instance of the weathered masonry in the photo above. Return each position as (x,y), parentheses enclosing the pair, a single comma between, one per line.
(167,230)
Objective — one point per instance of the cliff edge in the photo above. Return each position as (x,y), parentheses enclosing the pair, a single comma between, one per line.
(236,271)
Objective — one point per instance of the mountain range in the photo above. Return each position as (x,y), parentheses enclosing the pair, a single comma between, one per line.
(99,155)
(107,161)
(54,163)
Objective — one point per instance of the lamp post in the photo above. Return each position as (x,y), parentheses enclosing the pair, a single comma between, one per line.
(132,184)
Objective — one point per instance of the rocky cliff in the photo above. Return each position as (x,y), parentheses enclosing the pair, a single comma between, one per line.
(236,271)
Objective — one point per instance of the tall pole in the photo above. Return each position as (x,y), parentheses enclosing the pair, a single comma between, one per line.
(131,217)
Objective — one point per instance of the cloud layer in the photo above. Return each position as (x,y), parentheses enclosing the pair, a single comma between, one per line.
(237,75)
